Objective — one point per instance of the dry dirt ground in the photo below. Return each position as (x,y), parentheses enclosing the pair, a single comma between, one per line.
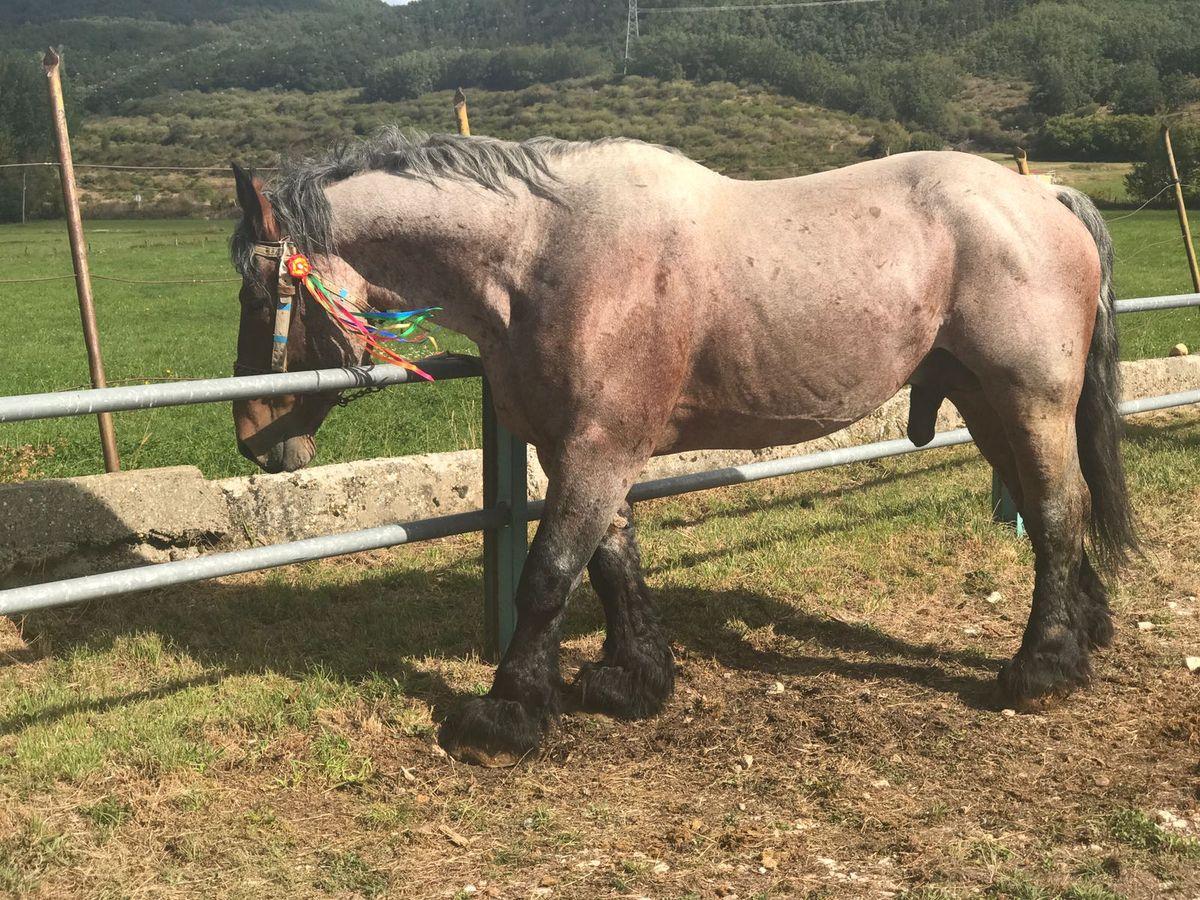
(834,733)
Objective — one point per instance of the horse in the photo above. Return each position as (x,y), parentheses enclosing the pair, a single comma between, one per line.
(628,302)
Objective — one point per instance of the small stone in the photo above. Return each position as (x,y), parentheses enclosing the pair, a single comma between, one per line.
(453,836)
(769,860)
(1168,819)
(1102,781)
(469,889)
(748,760)
(776,688)
(881,783)
(971,631)
(661,868)
(1192,663)
(407,774)
(1145,626)
(1009,713)
(994,597)
(1179,350)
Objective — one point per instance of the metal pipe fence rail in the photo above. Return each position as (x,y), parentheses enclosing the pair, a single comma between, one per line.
(506,512)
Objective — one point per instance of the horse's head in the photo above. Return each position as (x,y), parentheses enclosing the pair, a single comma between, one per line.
(282,329)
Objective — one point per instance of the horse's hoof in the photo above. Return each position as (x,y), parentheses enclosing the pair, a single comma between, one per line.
(1035,681)
(1099,626)
(491,732)
(626,692)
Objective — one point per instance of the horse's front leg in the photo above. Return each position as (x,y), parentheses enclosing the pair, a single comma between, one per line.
(587,484)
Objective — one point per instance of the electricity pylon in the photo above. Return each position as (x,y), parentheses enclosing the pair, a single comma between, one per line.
(632,30)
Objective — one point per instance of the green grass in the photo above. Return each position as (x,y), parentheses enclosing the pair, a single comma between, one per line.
(1104,182)
(151,333)
(1135,828)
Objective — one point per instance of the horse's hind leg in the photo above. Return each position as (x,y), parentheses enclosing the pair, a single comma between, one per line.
(1054,655)
(636,673)
(985,426)
(1099,614)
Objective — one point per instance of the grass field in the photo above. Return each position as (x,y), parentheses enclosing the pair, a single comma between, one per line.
(161,332)
(833,735)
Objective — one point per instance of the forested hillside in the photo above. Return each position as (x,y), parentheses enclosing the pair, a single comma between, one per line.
(1088,79)
(897,59)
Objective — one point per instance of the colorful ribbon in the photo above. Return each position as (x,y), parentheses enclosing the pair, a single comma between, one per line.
(357,323)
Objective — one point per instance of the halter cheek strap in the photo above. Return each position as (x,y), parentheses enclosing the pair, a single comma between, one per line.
(286,296)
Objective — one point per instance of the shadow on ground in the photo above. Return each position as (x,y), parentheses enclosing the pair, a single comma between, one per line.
(382,625)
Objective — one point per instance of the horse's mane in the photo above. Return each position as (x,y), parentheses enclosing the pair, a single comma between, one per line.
(297,194)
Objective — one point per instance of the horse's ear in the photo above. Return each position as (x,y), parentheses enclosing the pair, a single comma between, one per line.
(255,205)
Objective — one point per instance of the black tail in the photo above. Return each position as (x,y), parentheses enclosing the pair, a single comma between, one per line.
(1098,418)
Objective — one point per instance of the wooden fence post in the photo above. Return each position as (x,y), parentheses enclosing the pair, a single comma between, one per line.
(83,277)
(460,112)
(1022,159)
(1189,247)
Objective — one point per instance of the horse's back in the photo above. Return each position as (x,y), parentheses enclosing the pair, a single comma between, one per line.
(819,296)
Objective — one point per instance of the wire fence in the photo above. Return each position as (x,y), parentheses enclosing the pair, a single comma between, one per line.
(131,168)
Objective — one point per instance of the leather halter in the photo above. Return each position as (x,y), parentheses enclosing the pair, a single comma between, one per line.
(281,251)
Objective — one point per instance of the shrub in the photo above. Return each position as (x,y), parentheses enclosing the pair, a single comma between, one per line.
(512,68)
(1094,138)
(405,77)
(1150,175)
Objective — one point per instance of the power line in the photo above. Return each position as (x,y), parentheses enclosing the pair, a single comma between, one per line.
(118,280)
(745,6)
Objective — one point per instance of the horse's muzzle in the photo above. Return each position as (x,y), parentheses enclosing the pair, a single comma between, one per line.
(286,456)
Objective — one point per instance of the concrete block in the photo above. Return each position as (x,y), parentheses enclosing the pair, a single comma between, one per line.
(46,521)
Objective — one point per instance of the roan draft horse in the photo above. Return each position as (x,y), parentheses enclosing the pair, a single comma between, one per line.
(629,302)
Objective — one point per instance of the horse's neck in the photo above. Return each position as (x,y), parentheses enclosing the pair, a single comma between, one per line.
(453,245)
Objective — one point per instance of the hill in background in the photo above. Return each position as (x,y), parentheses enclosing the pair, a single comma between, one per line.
(1077,80)
(745,132)
(903,59)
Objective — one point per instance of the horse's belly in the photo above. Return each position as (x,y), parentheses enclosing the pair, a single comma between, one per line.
(696,428)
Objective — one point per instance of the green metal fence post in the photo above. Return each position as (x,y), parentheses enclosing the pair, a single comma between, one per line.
(504,486)
(1004,508)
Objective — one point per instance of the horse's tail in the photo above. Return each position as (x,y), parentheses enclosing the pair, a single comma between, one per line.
(1098,418)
